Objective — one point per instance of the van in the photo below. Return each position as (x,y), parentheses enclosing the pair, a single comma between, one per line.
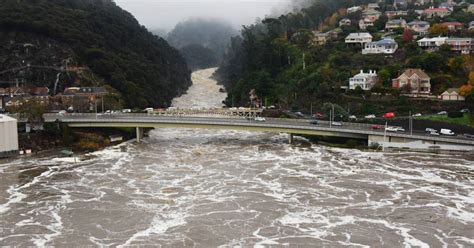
(447,132)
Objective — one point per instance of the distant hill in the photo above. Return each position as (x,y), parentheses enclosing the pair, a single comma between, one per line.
(95,34)
(212,34)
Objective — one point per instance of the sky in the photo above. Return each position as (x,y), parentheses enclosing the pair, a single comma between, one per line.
(165,14)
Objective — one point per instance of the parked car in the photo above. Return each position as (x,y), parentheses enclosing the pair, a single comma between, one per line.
(318,115)
(464,111)
(448,132)
(429,130)
(442,113)
(314,122)
(434,133)
(352,117)
(417,115)
(261,119)
(336,123)
(62,112)
(469,136)
(388,115)
(369,117)
(299,114)
(126,111)
(375,127)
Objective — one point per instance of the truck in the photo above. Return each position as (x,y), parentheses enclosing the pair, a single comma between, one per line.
(448,132)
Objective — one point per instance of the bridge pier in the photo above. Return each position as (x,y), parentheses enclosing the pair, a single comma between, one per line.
(290,138)
(139,131)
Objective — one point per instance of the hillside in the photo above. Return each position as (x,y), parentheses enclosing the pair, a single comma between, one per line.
(91,34)
(288,66)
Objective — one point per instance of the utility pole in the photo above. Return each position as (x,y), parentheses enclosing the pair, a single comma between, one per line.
(304,62)
(410,123)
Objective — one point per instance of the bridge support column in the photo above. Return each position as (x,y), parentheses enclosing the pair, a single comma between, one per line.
(139,131)
(290,138)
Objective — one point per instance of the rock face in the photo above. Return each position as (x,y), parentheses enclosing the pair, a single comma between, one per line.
(95,35)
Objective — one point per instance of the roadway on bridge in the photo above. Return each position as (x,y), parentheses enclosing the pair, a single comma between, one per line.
(296,124)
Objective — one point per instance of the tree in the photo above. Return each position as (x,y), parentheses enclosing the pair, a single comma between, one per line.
(438,29)
(465,90)
(407,35)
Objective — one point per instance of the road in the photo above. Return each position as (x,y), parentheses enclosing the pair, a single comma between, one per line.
(275,123)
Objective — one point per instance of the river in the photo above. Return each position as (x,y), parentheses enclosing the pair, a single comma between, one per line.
(208,188)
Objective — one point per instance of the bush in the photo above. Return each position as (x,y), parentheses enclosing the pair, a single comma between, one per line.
(455,114)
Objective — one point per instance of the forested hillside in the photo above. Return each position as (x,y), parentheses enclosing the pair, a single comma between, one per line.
(98,35)
(279,58)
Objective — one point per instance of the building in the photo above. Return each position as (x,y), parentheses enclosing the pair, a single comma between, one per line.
(91,92)
(432,44)
(451,94)
(417,81)
(8,136)
(365,23)
(345,22)
(358,38)
(354,9)
(393,13)
(461,45)
(420,27)
(396,23)
(400,4)
(471,25)
(470,8)
(447,5)
(371,14)
(363,80)
(440,12)
(385,46)
(453,26)
(373,6)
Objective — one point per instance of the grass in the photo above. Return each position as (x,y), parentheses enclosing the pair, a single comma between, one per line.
(466,120)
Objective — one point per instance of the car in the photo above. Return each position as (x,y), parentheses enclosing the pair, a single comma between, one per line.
(299,114)
(391,129)
(417,115)
(388,115)
(429,130)
(464,111)
(375,127)
(400,129)
(469,136)
(442,113)
(434,133)
(369,117)
(336,123)
(352,117)
(62,112)
(261,119)
(314,122)
(317,115)
(149,110)
(447,132)
(126,111)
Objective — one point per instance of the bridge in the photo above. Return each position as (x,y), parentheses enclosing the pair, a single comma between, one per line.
(417,140)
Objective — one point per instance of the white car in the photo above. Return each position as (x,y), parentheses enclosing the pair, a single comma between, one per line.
(391,129)
(261,119)
(336,123)
(430,130)
(434,133)
(400,129)
(442,113)
(126,111)
(369,117)
(352,117)
(448,132)
(417,115)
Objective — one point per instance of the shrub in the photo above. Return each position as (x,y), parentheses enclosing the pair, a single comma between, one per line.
(455,114)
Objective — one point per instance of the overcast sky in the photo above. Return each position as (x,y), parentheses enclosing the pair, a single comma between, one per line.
(167,13)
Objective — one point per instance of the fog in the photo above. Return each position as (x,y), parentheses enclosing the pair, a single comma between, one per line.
(165,14)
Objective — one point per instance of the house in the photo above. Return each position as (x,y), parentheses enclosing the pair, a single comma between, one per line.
(447,5)
(440,12)
(40,95)
(417,81)
(373,6)
(385,46)
(358,38)
(462,45)
(396,23)
(363,80)
(393,13)
(432,44)
(371,14)
(470,8)
(420,27)
(320,38)
(400,4)
(422,2)
(451,94)
(453,26)
(365,23)
(471,25)
(354,9)
(345,22)
(91,92)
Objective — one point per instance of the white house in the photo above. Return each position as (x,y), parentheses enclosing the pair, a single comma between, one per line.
(354,9)
(365,23)
(451,94)
(385,46)
(396,23)
(358,38)
(345,22)
(432,44)
(364,80)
